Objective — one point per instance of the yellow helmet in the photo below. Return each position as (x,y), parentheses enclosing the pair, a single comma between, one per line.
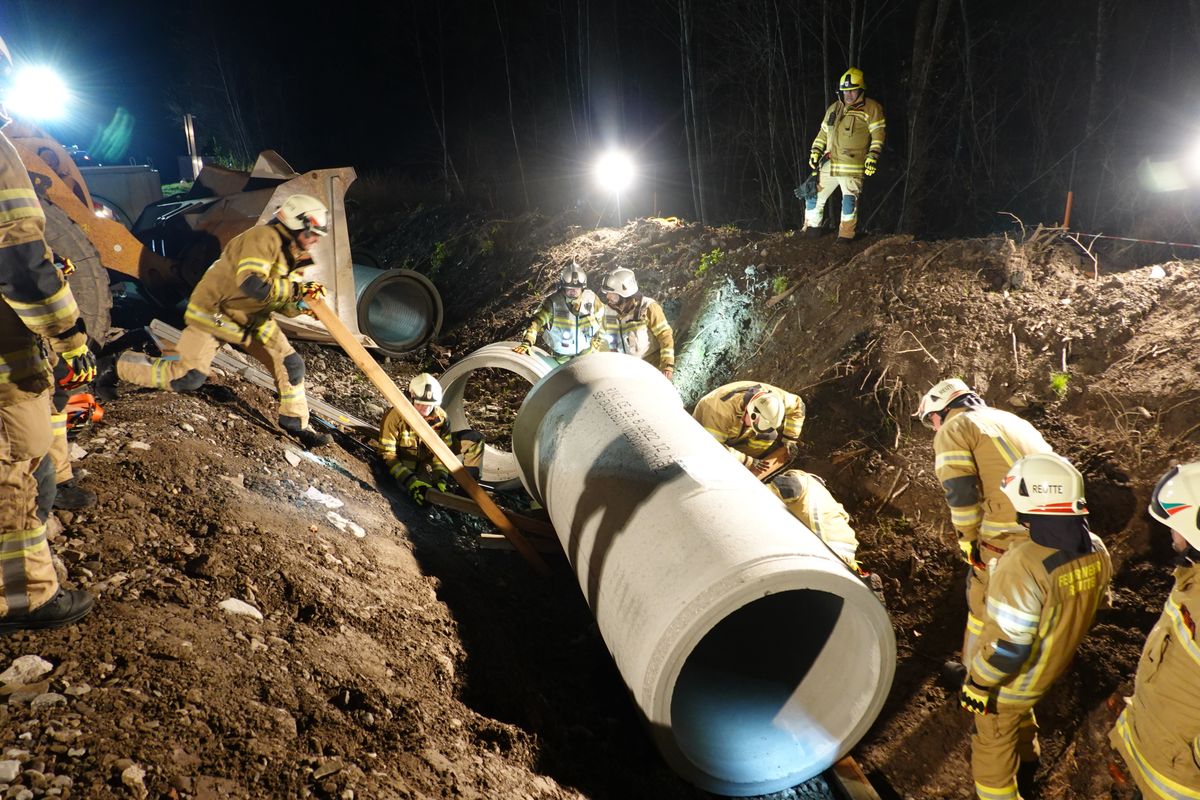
(852,79)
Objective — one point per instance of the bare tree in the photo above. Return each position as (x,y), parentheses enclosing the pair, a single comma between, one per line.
(512,120)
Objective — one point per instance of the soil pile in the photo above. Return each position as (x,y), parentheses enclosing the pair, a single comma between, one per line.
(408,662)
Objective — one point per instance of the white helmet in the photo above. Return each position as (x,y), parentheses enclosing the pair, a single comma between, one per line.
(303,212)
(573,277)
(621,282)
(764,411)
(940,396)
(1175,501)
(1045,483)
(425,389)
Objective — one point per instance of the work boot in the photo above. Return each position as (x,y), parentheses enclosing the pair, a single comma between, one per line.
(65,608)
(106,378)
(311,438)
(844,240)
(953,675)
(811,233)
(71,497)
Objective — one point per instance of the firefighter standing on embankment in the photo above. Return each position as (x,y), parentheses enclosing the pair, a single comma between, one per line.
(635,324)
(37,302)
(1041,601)
(845,151)
(974,447)
(570,320)
(1158,734)
(257,274)
(752,419)
(407,460)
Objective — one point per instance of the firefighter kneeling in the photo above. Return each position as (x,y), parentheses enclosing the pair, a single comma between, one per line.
(411,464)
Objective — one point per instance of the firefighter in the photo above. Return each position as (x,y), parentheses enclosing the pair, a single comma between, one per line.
(68,494)
(753,420)
(570,320)
(37,303)
(258,273)
(411,464)
(809,501)
(1158,733)
(1042,599)
(845,151)
(974,446)
(635,324)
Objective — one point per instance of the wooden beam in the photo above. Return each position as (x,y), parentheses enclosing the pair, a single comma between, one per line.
(531,525)
(426,434)
(849,779)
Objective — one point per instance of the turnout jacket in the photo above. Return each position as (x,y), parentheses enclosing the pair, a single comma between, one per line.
(568,329)
(1159,731)
(1041,602)
(642,332)
(401,450)
(253,277)
(849,133)
(722,411)
(973,451)
(37,298)
(809,501)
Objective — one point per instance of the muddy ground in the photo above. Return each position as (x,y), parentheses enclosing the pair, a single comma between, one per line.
(412,663)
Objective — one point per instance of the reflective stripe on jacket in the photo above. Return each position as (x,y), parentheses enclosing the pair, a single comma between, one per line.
(809,501)
(848,134)
(644,332)
(401,449)
(565,330)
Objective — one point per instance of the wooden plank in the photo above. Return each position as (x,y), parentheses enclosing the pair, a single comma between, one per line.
(531,525)
(426,434)
(494,541)
(848,778)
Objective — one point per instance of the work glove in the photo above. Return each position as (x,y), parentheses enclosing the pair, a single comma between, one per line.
(442,485)
(668,372)
(970,553)
(82,366)
(64,264)
(814,159)
(310,290)
(976,699)
(522,349)
(793,449)
(871,164)
(417,488)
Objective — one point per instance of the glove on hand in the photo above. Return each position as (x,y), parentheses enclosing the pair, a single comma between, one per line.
(82,365)
(522,349)
(312,290)
(814,159)
(976,698)
(668,372)
(64,264)
(417,488)
(442,486)
(970,553)
(871,164)
(793,449)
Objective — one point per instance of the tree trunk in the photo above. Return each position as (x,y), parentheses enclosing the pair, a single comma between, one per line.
(931,21)
(691,123)
(512,120)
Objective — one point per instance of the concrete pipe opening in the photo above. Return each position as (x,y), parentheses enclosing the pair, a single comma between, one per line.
(499,465)
(399,309)
(755,656)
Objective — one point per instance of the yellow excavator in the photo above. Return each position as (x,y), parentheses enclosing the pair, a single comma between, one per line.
(393,311)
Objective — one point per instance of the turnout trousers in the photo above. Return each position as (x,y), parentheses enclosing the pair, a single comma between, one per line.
(998,746)
(191,365)
(851,186)
(27,577)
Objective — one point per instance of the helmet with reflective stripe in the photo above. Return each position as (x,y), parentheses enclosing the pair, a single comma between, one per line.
(573,277)
(764,411)
(425,389)
(852,79)
(941,395)
(621,282)
(1175,501)
(1045,483)
(303,212)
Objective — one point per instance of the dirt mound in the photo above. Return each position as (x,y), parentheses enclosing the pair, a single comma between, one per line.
(410,663)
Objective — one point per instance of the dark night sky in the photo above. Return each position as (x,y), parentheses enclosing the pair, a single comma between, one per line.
(1014,90)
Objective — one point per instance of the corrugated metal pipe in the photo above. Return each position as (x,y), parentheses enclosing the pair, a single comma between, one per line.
(756,658)
(399,309)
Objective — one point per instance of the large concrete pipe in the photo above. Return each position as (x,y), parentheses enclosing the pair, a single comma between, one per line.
(499,466)
(754,655)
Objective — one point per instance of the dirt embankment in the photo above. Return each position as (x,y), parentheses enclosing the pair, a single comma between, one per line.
(410,663)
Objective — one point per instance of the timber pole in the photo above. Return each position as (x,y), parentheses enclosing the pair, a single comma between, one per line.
(426,434)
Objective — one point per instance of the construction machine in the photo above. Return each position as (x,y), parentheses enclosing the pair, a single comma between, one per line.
(174,240)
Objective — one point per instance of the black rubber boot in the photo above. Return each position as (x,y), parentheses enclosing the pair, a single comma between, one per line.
(311,438)
(811,233)
(65,608)
(71,497)
(106,378)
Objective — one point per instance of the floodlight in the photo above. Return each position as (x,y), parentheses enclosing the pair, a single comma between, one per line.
(614,171)
(38,93)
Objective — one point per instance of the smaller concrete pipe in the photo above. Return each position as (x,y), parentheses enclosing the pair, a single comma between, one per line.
(499,466)
(399,309)
(755,656)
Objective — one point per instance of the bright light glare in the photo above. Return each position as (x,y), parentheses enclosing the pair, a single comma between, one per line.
(1192,160)
(38,93)
(614,171)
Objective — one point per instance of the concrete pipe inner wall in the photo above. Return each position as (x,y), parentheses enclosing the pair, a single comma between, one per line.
(399,309)
(499,466)
(756,658)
